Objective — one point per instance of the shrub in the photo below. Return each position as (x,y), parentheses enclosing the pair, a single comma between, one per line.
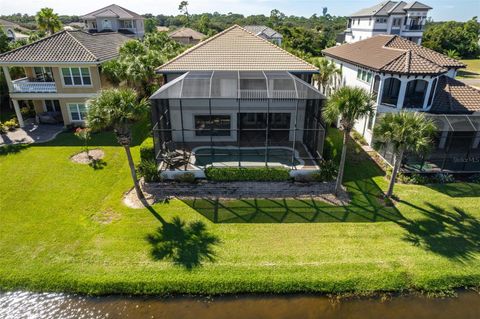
(443,178)
(148,170)
(3,129)
(226,174)
(27,112)
(147,150)
(11,125)
(359,138)
(185,178)
(418,179)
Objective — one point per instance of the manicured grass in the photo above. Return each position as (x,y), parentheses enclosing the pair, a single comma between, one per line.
(64,228)
(472,71)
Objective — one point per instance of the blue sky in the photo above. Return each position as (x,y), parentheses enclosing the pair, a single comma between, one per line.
(459,10)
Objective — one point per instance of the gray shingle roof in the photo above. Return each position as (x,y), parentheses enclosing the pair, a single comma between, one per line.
(262,29)
(387,8)
(68,46)
(393,54)
(112,11)
(236,49)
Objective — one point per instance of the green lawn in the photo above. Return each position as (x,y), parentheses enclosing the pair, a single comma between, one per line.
(63,227)
(472,71)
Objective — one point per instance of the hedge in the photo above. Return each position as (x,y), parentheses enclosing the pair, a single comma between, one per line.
(147,150)
(227,174)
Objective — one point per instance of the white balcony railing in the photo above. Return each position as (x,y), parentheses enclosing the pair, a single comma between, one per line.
(24,85)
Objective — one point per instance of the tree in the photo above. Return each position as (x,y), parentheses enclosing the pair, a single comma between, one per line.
(150,25)
(403,132)
(119,109)
(84,135)
(452,35)
(4,47)
(47,20)
(347,104)
(453,54)
(328,69)
(183,8)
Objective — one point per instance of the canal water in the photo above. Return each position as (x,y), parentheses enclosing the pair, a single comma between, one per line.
(19,305)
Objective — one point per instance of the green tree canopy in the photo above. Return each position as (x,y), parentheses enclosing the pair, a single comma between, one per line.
(47,20)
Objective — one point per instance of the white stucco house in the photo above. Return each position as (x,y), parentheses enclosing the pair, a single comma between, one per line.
(266,33)
(402,75)
(115,18)
(388,17)
(235,99)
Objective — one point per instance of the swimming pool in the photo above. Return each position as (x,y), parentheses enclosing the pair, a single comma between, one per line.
(249,156)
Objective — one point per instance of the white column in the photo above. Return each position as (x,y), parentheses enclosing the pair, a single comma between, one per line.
(8,79)
(427,94)
(380,90)
(401,94)
(18,113)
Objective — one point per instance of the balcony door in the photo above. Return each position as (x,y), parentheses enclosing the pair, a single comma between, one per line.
(43,74)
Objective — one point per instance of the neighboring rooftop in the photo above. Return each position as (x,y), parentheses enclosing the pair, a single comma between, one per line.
(187,33)
(262,29)
(112,11)
(453,96)
(68,46)
(393,54)
(236,49)
(13,25)
(161,28)
(387,8)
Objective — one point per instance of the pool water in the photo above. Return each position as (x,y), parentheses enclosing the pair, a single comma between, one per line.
(221,156)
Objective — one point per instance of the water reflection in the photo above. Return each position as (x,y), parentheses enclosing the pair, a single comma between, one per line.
(20,305)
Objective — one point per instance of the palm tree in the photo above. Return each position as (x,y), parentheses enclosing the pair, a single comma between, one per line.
(47,20)
(328,69)
(118,108)
(404,132)
(346,104)
(453,54)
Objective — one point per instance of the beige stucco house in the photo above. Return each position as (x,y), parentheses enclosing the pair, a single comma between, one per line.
(187,36)
(62,72)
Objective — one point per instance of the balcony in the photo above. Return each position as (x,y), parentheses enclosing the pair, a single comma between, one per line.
(414,27)
(26,85)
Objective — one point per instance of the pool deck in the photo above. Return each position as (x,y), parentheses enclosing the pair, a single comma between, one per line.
(309,162)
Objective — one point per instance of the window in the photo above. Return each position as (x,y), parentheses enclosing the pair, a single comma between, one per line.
(52,106)
(215,125)
(127,24)
(397,22)
(78,111)
(364,75)
(381,20)
(76,76)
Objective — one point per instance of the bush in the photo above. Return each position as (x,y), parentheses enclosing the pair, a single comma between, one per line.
(11,125)
(147,150)
(327,172)
(185,178)
(418,179)
(443,178)
(27,112)
(3,129)
(359,138)
(148,170)
(227,174)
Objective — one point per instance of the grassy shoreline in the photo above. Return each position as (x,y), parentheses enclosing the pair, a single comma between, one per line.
(64,228)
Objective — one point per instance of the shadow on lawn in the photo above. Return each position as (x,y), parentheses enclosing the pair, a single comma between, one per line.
(187,245)
(452,233)
(97,164)
(12,148)
(457,189)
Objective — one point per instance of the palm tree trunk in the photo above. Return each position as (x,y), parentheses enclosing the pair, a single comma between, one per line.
(133,172)
(341,168)
(396,168)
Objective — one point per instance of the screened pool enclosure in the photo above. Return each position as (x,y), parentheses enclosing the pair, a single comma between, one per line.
(236,118)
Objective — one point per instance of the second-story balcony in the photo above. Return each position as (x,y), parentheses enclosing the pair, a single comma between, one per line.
(414,27)
(26,85)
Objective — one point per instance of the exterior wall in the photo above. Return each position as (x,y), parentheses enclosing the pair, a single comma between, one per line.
(228,107)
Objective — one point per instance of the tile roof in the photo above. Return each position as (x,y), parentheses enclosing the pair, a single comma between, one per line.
(393,54)
(262,29)
(387,8)
(236,49)
(68,46)
(112,11)
(453,96)
(187,33)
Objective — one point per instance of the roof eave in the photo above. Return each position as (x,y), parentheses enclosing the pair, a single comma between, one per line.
(160,71)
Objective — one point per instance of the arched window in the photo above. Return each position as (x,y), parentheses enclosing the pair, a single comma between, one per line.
(415,94)
(432,92)
(391,89)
